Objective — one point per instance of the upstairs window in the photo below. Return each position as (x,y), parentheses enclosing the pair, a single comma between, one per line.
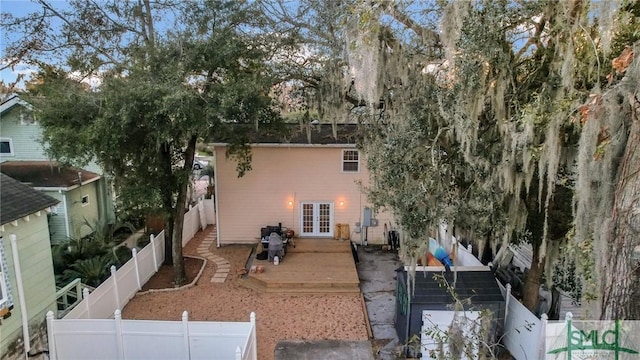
(6,146)
(350,161)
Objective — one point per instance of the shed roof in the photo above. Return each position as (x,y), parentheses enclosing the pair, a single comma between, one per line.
(318,134)
(46,173)
(19,200)
(479,286)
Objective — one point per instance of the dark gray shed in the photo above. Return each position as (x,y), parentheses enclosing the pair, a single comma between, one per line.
(430,293)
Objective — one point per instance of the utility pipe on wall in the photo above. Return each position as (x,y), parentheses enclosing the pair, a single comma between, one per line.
(23,303)
(66,212)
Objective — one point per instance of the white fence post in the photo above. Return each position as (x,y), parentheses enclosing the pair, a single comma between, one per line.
(119,337)
(153,249)
(542,336)
(238,353)
(50,337)
(134,253)
(185,334)
(85,296)
(507,297)
(254,340)
(568,316)
(115,286)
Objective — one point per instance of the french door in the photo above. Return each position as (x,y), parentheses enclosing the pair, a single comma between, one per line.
(316,219)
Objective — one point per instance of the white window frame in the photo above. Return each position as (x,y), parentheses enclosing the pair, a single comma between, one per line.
(5,299)
(10,141)
(343,162)
(82,200)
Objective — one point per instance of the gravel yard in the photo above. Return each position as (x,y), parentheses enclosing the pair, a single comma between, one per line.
(278,316)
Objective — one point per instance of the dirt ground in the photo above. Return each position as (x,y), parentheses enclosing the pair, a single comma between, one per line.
(163,279)
(278,316)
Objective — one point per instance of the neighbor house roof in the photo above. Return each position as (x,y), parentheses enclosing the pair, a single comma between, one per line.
(46,174)
(318,134)
(19,200)
(12,101)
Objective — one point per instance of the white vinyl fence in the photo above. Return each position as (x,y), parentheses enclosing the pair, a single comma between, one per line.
(123,284)
(523,331)
(197,218)
(108,339)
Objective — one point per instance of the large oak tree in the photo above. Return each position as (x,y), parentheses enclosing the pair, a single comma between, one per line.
(168,75)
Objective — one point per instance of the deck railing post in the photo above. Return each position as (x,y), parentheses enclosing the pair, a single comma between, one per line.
(238,353)
(78,290)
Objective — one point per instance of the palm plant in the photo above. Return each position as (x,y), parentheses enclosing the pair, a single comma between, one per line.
(91,271)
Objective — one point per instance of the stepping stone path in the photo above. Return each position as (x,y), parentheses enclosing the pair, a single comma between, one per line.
(222,265)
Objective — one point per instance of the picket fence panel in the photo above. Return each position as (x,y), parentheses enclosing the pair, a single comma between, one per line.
(147,339)
(523,331)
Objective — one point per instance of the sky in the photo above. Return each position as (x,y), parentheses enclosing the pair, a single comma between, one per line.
(16,8)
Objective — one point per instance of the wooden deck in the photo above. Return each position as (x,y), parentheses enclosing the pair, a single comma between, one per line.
(313,266)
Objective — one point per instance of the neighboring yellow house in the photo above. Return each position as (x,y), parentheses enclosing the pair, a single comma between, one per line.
(27,284)
(309,183)
(78,191)
(23,157)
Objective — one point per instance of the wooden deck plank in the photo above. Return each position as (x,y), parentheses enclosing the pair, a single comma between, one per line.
(313,266)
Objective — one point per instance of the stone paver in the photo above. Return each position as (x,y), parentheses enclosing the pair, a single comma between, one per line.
(222,265)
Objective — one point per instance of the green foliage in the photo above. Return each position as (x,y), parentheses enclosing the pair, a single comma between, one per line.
(159,93)
(123,254)
(93,271)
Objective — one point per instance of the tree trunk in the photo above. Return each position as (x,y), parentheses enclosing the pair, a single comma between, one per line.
(167,202)
(620,275)
(179,277)
(531,291)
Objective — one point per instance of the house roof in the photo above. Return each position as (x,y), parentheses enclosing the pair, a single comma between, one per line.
(46,174)
(12,101)
(19,200)
(480,286)
(317,134)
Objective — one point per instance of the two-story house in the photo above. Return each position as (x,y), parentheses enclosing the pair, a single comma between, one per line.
(27,284)
(309,179)
(83,194)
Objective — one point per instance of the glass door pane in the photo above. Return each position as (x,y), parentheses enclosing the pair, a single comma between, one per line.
(307,218)
(324,218)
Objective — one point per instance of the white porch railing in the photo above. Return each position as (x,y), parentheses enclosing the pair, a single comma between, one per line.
(71,339)
(69,296)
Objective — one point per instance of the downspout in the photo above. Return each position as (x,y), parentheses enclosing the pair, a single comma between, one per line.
(216,199)
(23,303)
(66,213)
